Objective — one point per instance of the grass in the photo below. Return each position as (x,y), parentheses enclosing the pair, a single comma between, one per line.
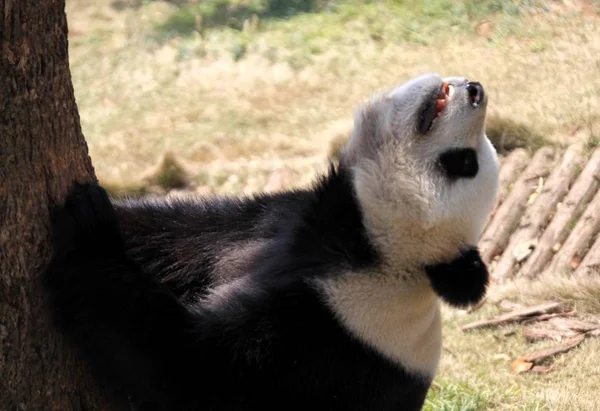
(446,395)
(242,102)
(475,371)
(215,95)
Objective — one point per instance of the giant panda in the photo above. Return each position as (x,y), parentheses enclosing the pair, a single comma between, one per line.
(322,298)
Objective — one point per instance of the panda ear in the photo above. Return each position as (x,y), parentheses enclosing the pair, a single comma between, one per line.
(462,281)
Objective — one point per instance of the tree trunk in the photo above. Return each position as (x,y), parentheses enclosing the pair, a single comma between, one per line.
(42,152)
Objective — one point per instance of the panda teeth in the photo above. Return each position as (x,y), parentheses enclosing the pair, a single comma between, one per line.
(450,90)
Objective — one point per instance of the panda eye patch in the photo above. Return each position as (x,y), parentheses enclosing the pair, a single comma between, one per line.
(459,163)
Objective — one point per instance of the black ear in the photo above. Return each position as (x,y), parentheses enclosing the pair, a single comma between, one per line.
(462,281)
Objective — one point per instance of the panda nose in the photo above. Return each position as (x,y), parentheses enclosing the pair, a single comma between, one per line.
(475,93)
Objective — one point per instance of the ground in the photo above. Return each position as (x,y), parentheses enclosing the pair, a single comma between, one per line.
(256,92)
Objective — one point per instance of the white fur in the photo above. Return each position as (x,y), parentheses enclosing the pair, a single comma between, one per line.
(402,323)
(413,215)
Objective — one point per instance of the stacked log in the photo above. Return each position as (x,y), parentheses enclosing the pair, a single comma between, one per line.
(512,166)
(523,240)
(591,262)
(506,218)
(570,210)
(579,240)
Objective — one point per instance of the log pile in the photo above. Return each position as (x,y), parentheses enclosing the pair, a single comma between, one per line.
(546,221)
(547,215)
(507,216)
(537,216)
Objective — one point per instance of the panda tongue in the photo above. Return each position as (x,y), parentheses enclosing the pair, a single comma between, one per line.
(440,105)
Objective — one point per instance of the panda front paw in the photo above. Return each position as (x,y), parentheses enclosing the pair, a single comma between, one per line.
(86,223)
(79,281)
(462,281)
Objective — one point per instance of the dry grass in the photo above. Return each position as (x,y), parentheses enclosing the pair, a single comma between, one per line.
(299,78)
(235,105)
(480,360)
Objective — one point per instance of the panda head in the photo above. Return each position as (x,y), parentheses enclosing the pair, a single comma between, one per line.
(424,172)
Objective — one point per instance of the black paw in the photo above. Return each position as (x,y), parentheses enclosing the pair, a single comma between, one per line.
(461,282)
(86,222)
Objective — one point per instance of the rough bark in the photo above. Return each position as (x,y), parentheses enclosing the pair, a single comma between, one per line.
(512,165)
(42,152)
(496,236)
(579,240)
(537,216)
(590,265)
(571,209)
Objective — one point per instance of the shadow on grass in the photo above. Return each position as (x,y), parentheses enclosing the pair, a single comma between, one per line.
(507,135)
(207,14)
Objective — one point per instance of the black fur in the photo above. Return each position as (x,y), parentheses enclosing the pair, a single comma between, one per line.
(462,281)
(459,163)
(128,284)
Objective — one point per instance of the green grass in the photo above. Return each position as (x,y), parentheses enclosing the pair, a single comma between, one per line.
(447,395)
(237,97)
(475,371)
(427,15)
(310,27)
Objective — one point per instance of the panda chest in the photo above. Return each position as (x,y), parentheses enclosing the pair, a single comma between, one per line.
(401,323)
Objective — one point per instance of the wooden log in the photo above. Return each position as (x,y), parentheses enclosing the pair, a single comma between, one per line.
(512,166)
(515,316)
(564,324)
(496,236)
(547,333)
(571,209)
(539,214)
(552,351)
(590,265)
(544,317)
(559,328)
(578,241)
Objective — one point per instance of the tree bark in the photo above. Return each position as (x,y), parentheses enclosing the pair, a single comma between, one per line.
(42,152)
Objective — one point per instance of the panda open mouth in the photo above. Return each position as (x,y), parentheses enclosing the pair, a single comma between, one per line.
(432,109)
